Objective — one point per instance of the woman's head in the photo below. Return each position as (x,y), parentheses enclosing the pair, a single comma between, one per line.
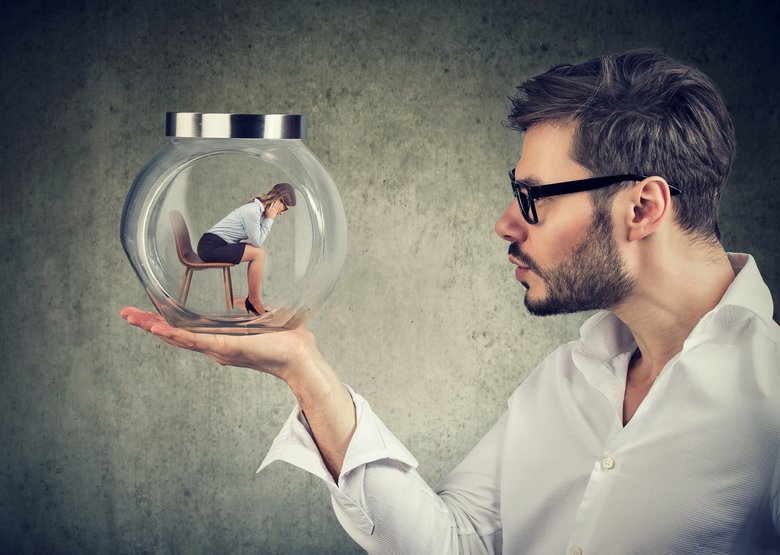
(280,191)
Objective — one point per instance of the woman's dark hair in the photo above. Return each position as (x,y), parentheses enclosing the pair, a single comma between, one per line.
(640,112)
(280,191)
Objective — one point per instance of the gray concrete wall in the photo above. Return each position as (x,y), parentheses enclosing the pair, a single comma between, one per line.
(113,442)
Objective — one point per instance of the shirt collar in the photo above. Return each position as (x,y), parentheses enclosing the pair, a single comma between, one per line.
(748,290)
(604,336)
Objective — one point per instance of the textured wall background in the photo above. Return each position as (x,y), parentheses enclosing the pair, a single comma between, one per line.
(113,442)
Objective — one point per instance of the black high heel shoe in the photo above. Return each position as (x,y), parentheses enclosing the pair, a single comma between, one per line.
(250,308)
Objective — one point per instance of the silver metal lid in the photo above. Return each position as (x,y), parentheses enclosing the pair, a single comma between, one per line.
(235,126)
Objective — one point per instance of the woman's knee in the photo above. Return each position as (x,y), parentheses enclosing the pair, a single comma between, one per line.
(254,253)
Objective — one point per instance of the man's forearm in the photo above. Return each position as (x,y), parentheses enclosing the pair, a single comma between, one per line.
(328,408)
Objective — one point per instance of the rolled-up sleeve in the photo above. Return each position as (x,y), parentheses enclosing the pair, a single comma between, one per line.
(385,505)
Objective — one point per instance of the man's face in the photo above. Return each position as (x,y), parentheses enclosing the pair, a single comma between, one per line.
(569,261)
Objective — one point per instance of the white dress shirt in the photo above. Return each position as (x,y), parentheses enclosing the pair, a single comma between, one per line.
(696,470)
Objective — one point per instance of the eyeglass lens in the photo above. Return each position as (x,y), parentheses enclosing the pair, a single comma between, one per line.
(524,200)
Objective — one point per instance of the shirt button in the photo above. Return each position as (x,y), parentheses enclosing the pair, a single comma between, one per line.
(576,551)
(608,463)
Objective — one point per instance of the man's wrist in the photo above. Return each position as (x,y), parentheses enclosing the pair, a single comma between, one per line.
(328,407)
(313,382)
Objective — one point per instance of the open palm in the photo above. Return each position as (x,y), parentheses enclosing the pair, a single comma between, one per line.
(274,353)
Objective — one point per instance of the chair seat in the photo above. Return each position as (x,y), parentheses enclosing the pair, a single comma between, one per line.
(194,262)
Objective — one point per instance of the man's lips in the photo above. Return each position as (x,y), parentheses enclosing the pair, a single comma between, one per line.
(517,263)
(521,269)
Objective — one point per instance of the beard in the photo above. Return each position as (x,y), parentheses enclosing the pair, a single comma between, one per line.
(591,277)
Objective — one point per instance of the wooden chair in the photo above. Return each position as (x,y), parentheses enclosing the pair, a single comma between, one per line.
(192,262)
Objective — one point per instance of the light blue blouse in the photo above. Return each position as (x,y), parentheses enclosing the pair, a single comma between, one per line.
(245,223)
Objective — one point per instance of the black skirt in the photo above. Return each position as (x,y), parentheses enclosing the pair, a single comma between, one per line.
(213,248)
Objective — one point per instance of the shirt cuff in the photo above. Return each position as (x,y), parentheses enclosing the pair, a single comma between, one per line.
(372,441)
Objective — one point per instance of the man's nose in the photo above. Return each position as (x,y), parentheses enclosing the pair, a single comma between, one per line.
(511,226)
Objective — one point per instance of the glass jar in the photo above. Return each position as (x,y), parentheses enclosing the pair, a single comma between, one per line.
(213,165)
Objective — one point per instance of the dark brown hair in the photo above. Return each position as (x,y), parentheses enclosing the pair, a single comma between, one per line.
(280,191)
(642,112)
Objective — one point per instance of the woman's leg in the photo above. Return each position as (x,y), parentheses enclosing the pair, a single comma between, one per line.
(254,274)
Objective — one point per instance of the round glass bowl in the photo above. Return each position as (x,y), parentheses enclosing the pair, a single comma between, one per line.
(214,164)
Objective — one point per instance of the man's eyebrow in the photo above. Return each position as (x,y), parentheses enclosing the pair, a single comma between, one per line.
(531,180)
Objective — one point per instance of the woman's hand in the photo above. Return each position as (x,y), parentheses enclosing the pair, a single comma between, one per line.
(282,354)
(276,207)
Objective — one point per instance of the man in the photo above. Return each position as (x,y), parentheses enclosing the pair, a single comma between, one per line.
(658,431)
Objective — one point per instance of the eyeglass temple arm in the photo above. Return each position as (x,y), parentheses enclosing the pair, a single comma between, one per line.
(581,185)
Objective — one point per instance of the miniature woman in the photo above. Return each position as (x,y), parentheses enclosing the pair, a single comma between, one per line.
(239,235)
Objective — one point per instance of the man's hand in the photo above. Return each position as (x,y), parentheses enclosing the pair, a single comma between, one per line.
(273,209)
(291,356)
(279,354)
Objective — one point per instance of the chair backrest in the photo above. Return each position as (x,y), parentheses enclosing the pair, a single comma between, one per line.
(182,236)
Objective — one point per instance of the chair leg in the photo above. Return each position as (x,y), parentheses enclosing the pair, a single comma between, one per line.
(228,288)
(185,287)
(183,284)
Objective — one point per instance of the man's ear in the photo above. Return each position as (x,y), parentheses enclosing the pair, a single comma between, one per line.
(647,205)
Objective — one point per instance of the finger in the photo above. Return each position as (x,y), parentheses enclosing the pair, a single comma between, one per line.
(201,342)
(172,335)
(215,346)
(157,325)
(143,320)
(128,310)
(131,310)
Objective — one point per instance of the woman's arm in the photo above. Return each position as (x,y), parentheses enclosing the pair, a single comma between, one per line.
(258,221)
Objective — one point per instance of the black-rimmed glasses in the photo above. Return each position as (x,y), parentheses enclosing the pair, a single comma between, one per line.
(526,194)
